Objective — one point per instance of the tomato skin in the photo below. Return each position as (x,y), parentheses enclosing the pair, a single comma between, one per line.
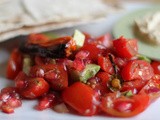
(133,85)
(20,80)
(156,67)
(105,64)
(73,96)
(14,65)
(59,82)
(93,50)
(152,88)
(55,74)
(124,106)
(125,48)
(35,87)
(105,40)
(120,62)
(104,79)
(137,69)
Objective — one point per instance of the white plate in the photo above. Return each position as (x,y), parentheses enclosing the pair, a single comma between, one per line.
(27,112)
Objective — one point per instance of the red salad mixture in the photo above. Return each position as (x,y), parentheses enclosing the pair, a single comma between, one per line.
(82,75)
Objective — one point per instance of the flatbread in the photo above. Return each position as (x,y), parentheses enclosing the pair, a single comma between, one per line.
(22,17)
(10,15)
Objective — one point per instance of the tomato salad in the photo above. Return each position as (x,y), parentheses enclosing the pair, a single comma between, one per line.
(82,75)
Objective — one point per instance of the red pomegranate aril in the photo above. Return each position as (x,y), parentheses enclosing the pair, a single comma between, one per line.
(46,102)
(9,99)
(13,102)
(7,109)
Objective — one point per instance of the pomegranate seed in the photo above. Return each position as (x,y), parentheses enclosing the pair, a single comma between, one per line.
(9,99)
(7,109)
(13,102)
(46,102)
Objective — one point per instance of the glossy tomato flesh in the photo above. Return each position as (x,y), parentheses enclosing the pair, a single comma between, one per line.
(137,69)
(105,64)
(93,51)
(156,67)
(124,106)
(34,88)
(125,48)
(14,65)
(82,98)
(55,74)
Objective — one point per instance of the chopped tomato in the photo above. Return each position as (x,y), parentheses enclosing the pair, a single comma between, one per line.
(9,99)
(152,88)
(102,84)
(125,48)
(55,74)
(105,64)
(105,40)
(82,98)
(78,64)
(82,55)
(156,67)
(134,85)
(14,65)
(102,75)
(20,80)
(124,106)
(93,50)
(34,87)
(137,69)
(120,62)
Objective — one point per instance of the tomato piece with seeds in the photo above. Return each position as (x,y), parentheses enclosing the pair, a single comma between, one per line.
(35,87)
(156,67)
(105,64)
(121,106)
(74,97)
(55,74)
(137,69)
(125,48)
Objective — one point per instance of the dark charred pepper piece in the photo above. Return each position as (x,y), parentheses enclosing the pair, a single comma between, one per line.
(57,48)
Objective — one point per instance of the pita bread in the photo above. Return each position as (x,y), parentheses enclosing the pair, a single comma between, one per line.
(22,17)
